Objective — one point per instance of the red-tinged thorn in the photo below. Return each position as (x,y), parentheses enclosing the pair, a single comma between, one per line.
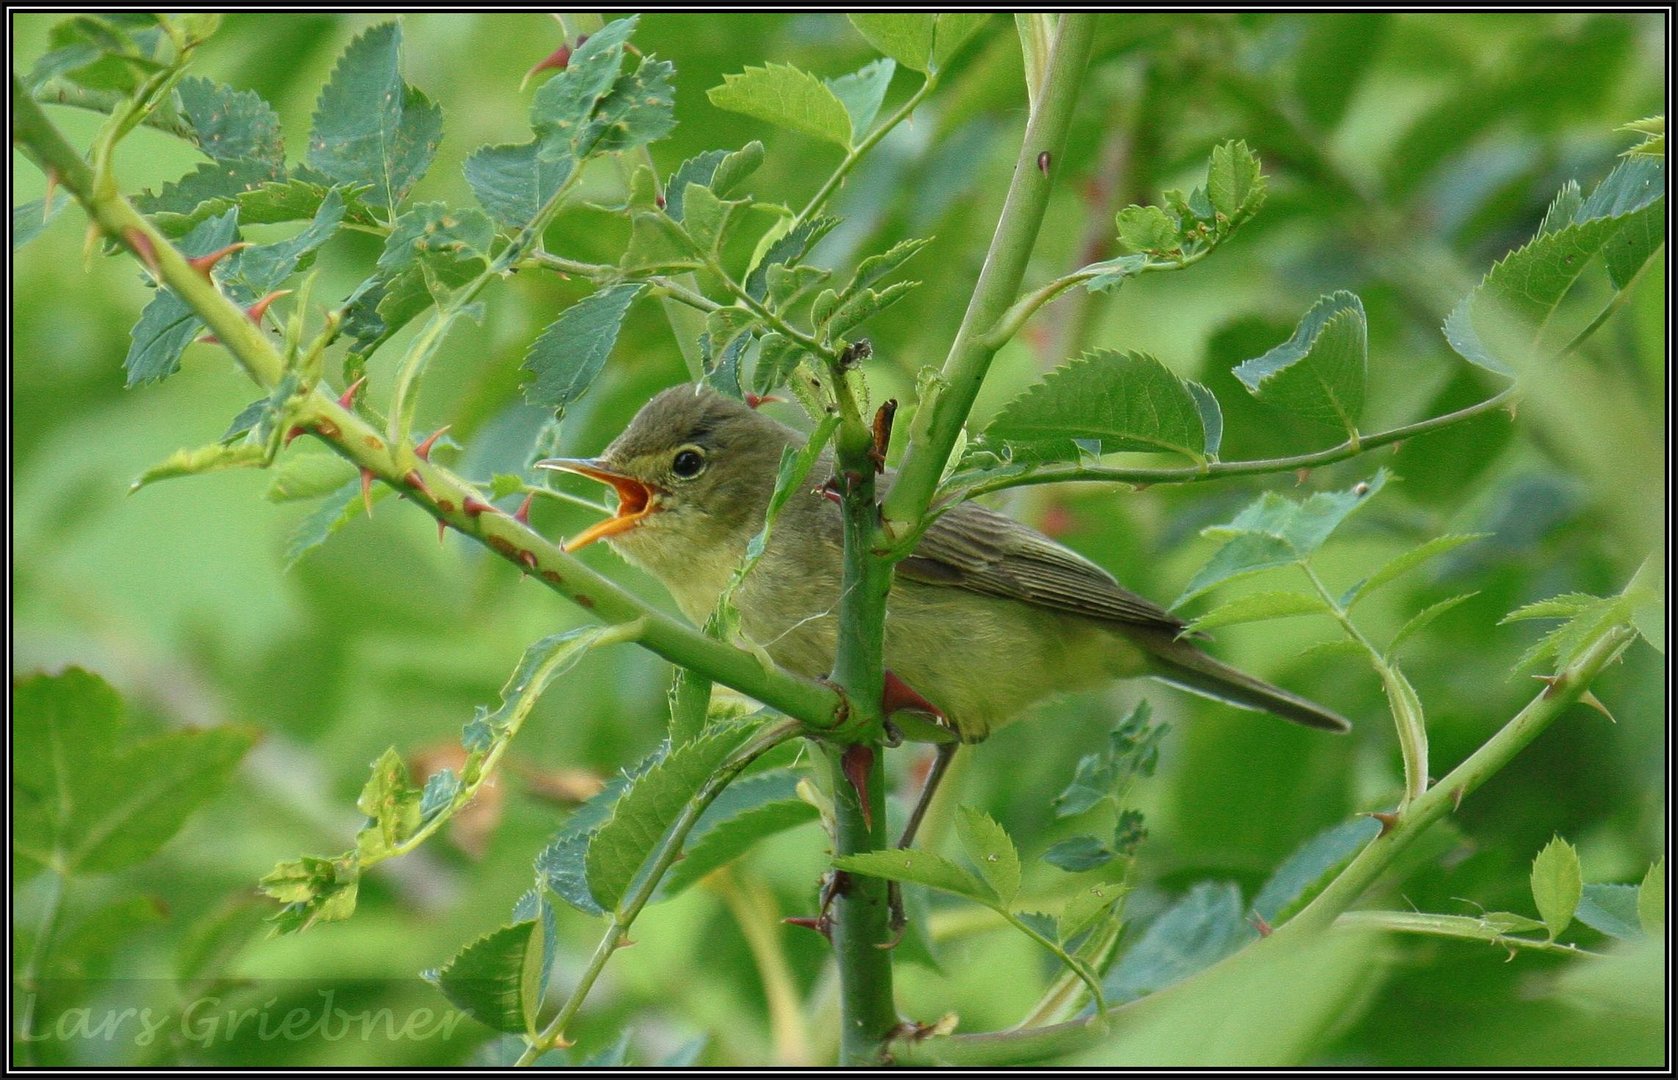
(207,339)
(367,490)
(346,400)
(829,491)
(442,529)
(558,60)
(417,482)
(296,430)
(257,310)
(754,400)
(900,695)
(527,559)
(1300,476)
(624,941)
(1043,160)
(522,514)
(658,201)
(1388,822)
(423,450)
(1551,683)
(52,189)
(857,761)
(1262,926)
(1456,799)
(475,506)
(819,923)
(142,246)
(205,263)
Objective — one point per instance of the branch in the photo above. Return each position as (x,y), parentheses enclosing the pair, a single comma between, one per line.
(943,411)
(440,492)
(860,150)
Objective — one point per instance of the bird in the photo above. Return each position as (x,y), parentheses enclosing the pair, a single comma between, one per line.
(985,617)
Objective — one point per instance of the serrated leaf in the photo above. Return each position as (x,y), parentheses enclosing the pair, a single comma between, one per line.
(1589,617)
(1336,647)
(1147,228)
(1131,750)
(514,182)
(1257,607)
(1653,130)
(571,352)
(1193,934)
(777,356)
(748,811)
(989,847)
(861,92)
(392,805)
(431,250)
(335,511)
(875,267)
(1565,606)
(87,797)
(313,890)
(1425,616)
(787,249)
(1234,185)
(205,459)
(1556,885)
(488,979)
(648,808)
(639,109)
(270,203)
(561,868)
(1085,907)
(1320,371)
(1399,565)
(1274,530)
(1497,326)
(1302,874)
(1079,853)
(1128,401)
(917,867)
(1610,909)
(1112,273)
(1211,417)
(167,326)
(919,41)
(787,97)
(369,126)
(263,267)
(230,124)
(1651,899)
(719,170)
(864,306)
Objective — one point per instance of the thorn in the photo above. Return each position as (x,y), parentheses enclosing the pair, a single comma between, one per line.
(754,400)
(1510,409)
(557,60)
(625,942)
(522,514)
(1552,684)
(659,201)
(205,263)
(1300,476)
(560,1042)
(1043,163)
(296,430)
(900,695)
(1456,799)
(1260,925)
(475,506)
(367,490)
(89,239)
(346,400)
(257,310)
(442,530)
(141,245)
(52,189)
(856,761)
(821,924)
(527,559)
(423,450)
(417,482)
(882,433)
(893,738)
(829,491)
(1588,698)
(897,929)
(1388,822)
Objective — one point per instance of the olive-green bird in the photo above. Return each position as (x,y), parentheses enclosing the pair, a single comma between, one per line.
(985,618)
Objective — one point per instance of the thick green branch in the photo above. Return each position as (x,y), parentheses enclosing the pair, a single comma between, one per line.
(443,494)
(942,414)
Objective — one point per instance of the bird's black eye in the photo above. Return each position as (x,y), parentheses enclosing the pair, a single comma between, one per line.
(688,463)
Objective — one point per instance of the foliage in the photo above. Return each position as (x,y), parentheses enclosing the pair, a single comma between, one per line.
(1368,257)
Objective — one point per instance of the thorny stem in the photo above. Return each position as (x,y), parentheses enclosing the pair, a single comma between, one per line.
(660,859)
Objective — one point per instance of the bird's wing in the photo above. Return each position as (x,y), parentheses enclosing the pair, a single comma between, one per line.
(973,548)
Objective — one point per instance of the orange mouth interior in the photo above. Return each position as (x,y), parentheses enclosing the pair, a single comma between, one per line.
(635,502)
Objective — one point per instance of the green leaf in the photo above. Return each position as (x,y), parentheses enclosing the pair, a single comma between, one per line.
(787,97)
(369,126)
(430,251)
(514,182)
(1498,325)
(87,797)
(1651,899)
(1193,934)
(231,125)
(1556,885)
(337,510)
(1234,184)
(1610,909)
(571,352)
(917,867)
(1303,874)
(1587,616)
(489,979)
(989,847)
(1085,907)
(308,476)
(719,170)
(1126,401)
(1079,853)
(745,813)
(31,217)
(647,810)
(777,356)
(1319,372)
(313,890)
(1565,606)
(1653,130)
(167,326)
(205,459)
(861,92)
(639,109)
(864,306)
(1399,565)
(787,250)
(1258,607)
(1425,616)
(1132,750)
(1147,228)
(392,805)
(263,267)
(270,203)
(920,41)
(1274,530)
(1112,273)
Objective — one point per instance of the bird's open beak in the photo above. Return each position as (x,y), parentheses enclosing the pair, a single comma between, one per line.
(635,498)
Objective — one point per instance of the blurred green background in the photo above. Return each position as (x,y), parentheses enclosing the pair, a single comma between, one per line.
(1406,153)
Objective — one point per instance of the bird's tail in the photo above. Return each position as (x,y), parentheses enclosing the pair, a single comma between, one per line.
(1189,668)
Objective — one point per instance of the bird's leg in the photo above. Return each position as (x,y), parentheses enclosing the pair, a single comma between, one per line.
(894,893)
